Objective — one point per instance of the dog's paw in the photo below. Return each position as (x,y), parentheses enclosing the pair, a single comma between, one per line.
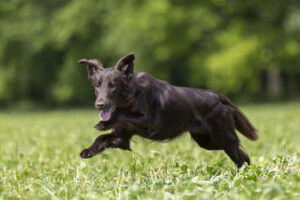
(87,153)
(101,126)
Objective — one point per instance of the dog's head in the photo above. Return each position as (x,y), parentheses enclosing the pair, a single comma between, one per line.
(110,83)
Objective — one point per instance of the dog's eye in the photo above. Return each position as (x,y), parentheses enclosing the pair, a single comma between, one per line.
(99,84)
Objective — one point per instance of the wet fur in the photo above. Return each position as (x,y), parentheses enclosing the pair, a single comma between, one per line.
(159,111)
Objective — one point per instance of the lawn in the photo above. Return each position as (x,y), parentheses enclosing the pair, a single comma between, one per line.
(40,160)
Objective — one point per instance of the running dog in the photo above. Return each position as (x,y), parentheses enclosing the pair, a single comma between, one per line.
(136,103)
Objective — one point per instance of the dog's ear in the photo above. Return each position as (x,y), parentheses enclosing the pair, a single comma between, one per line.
(93,67)
(125,65)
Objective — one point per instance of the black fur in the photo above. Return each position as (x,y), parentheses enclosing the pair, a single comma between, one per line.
(138,103)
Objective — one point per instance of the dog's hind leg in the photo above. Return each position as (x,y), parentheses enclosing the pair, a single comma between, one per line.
(222,131)
(112,140)
(229,141)
(245,156)
(205,141)
(238,156)
(234,152)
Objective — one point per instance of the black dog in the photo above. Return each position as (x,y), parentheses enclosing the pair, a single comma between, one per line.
(137,103)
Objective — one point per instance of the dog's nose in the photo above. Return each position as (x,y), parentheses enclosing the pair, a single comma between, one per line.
(99,105)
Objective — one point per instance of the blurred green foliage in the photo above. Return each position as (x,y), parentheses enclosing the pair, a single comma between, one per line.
(241,48)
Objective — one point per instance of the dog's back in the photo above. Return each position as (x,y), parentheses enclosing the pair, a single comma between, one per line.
(174,109)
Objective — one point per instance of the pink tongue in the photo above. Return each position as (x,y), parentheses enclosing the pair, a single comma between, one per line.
(105,115)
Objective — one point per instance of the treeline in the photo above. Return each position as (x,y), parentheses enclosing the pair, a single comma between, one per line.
(245,49)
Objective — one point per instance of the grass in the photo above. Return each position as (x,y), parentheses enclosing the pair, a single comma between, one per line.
(40,160)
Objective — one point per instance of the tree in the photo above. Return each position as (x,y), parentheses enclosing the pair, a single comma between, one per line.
(230,46)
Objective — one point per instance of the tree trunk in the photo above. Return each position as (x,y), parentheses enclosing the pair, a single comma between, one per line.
(274,83)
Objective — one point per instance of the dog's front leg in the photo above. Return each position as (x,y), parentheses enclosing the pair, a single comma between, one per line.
(112,140)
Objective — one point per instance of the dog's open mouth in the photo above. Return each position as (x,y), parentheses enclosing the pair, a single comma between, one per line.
(106,114)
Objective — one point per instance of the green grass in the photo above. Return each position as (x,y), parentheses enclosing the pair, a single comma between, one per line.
(40,160)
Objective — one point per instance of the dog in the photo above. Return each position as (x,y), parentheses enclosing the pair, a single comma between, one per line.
(136,103)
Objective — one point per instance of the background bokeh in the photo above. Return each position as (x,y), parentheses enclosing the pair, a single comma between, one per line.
(248,50)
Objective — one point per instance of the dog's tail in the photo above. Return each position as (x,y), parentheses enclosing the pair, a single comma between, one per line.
(242,123)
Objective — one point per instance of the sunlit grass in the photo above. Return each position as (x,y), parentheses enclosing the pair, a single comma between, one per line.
(40,159)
